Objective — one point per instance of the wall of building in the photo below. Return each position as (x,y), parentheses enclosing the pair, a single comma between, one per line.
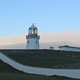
(32,43)
(69,49)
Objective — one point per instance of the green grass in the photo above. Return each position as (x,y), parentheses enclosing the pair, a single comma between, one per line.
(44,58)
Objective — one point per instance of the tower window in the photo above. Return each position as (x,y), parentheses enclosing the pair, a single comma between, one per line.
(28,41)
(36,41)
(32,31)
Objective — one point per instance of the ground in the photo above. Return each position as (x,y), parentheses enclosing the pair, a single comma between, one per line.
(46,58)
(42,58)
(8,73)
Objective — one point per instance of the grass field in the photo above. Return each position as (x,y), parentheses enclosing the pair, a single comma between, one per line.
(46,58)
(8,73)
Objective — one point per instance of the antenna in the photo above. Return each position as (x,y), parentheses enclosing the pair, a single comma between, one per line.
(32,24)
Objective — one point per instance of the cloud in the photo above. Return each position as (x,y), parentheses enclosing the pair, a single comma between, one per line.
(46,40)
(60,36)
(12,40)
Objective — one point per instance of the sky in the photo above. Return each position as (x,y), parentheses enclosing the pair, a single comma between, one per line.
(46,40)
(16,16)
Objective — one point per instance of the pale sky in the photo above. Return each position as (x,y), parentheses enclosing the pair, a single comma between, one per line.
(46,40)
(48,15)
(56,20)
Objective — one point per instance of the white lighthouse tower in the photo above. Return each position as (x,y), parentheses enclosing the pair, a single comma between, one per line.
(33,38)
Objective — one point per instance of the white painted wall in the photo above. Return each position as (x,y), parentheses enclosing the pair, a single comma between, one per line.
(74,73)
(69,49)
(33,43)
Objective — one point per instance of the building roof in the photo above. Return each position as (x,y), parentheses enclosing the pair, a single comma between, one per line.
(69,46)
(33,26)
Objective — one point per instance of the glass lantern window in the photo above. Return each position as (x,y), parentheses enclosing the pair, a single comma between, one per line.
(30,31)
(35,31)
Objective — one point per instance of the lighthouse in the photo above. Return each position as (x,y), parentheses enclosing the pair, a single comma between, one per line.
(33,38)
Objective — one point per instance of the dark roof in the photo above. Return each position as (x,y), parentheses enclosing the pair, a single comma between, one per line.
(33,27)
(69,46)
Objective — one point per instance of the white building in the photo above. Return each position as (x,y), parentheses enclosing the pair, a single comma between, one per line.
(33,38)
(69,48)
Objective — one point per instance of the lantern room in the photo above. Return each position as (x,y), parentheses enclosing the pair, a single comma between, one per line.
(33,30)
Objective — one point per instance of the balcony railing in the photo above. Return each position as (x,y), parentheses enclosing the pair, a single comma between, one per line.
(32,36)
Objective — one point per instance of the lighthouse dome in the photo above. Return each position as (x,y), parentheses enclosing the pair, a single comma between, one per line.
(33,26)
